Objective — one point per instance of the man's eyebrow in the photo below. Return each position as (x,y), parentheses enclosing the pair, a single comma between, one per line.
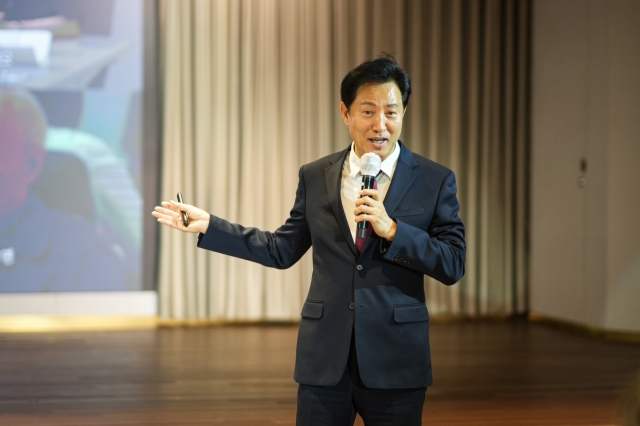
(375,104)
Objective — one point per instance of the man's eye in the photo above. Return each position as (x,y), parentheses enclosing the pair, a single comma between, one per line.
(392,113)
(367,112)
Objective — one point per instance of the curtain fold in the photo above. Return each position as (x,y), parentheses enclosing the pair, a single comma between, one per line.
(251,93)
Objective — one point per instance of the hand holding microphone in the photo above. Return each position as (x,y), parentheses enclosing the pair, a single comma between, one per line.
(369,207)
(370,165)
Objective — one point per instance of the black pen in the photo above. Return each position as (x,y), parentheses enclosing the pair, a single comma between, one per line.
(185,217)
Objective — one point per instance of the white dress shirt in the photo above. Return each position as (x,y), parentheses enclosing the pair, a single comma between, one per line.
(352,182)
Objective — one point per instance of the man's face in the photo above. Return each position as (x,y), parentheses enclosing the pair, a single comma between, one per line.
(20,161)
(375,118)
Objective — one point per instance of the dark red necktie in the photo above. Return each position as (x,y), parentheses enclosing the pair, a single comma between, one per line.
(361,241)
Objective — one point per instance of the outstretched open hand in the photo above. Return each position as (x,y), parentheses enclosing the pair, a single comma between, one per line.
(170,214)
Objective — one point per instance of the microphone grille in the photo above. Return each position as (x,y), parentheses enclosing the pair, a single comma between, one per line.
(370,164)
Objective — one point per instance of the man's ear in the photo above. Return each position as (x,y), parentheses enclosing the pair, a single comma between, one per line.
(35,160)
(345,113)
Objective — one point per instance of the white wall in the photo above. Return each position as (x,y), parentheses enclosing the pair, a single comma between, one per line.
(585,240)
(623,275)
(123,303)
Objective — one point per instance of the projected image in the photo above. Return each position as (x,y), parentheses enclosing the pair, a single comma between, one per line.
(70,145)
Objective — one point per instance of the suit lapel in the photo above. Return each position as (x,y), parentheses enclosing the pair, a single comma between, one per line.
(403,178)
(333,176)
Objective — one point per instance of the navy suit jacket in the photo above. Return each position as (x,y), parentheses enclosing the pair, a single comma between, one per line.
(56,251)
(379,294)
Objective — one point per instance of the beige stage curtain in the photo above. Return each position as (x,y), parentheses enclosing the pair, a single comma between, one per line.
(251,92)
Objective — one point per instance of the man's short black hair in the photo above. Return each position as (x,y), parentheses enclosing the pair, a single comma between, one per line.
(377,71)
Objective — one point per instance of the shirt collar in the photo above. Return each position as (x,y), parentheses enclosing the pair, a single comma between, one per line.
(388,165)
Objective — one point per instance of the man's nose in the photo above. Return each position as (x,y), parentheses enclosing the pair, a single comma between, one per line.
(380,123)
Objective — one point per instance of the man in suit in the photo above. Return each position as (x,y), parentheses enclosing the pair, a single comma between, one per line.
(363,342)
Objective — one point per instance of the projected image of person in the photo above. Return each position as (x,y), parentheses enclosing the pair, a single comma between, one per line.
(41,248)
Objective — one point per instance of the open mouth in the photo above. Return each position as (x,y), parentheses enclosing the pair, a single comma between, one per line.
(379,141)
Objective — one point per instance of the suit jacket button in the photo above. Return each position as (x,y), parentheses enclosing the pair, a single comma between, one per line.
(352,306)
(359,267)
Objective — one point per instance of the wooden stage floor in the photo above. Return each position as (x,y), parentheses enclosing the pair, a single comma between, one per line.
(486,373)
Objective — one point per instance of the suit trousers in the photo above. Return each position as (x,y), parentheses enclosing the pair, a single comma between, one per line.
(337,405)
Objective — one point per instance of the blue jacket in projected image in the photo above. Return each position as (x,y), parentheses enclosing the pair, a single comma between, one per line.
(42,249)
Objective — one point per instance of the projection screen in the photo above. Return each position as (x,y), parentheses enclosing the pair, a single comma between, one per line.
(75,77)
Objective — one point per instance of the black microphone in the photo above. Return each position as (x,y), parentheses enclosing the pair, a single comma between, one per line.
(370,165)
